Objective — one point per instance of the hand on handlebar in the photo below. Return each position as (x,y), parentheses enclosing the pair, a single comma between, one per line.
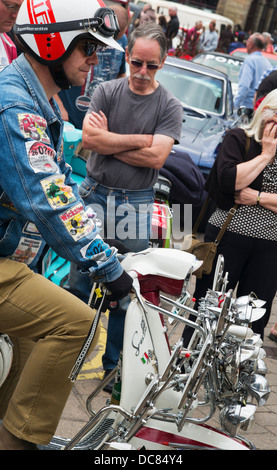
(115,291)
(120,287)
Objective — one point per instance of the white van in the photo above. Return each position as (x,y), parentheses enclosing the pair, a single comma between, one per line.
(187,15)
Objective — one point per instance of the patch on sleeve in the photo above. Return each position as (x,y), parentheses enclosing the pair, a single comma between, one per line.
(30,229)
(57,193)
(26,250)
(41,157)
(33,127)
(76,222)
(6,202)
(96,248)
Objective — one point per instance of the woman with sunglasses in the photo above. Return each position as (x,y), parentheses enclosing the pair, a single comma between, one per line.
(131,126)
(46,324)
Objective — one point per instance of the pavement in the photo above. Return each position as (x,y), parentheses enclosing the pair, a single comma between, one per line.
(263,433)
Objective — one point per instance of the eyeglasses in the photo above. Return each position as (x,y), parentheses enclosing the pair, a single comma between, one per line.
(89,48)
(139,64)
(11,6)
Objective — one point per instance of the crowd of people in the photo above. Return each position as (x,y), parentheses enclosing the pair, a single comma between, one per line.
(79,75)
(206,38)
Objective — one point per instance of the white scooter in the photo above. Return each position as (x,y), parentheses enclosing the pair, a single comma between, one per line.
(160,388)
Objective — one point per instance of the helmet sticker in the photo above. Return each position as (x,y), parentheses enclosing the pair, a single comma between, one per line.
(50,46)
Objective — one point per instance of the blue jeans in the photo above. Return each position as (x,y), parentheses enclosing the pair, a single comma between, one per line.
(126,216)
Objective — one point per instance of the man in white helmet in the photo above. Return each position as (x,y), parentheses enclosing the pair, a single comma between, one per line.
(40,206)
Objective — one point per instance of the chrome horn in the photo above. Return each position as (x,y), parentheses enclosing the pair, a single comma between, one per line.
(258,387)
(235,416)
(247,309)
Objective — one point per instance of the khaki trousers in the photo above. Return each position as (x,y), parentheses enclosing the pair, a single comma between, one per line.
(47,326)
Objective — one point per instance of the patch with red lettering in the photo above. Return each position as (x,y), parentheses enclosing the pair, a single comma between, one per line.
(76,221)
(26,250)
(41,157)
(33,127)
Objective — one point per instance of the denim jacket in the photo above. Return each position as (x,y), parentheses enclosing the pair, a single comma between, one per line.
(39,202)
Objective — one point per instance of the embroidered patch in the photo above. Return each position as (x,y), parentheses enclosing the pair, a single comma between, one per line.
(57,193)
(96,247)
(26,250)
(76,221)
(30,229)
(33,127)
(41,157)
(60,152)
(6,202)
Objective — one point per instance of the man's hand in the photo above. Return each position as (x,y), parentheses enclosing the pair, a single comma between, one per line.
(98,120)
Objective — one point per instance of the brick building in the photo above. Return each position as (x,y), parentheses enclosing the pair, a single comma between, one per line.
(251,15)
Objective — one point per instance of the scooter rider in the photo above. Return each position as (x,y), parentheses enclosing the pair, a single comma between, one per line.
(59,39)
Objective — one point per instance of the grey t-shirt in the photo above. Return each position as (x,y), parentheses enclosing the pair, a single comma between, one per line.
(130,113)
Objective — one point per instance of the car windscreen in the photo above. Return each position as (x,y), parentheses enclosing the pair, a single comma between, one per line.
(229,66)
(193,89)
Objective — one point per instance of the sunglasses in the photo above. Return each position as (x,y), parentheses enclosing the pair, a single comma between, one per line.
(89,48)
(139,64)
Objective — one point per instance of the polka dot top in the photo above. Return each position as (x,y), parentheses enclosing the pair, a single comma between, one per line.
(253,221)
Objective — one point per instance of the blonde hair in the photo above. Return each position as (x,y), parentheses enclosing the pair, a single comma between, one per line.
(263,113)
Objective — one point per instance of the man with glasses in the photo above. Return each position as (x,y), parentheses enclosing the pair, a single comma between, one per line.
(8,15)
(131,126)
(39,207)
(74,102)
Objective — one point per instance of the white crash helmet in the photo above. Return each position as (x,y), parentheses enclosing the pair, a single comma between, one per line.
(49,29)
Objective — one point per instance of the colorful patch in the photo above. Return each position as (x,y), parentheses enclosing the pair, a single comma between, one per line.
(41,157)
(60,152)
(58,194)
(30,229)
(96,247)
(76,221)
(6,202)
(33,127)
(26,251)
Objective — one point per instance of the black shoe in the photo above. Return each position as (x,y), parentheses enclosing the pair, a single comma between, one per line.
(109,387)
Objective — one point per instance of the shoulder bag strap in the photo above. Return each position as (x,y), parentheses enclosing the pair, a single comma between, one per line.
(200,216)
